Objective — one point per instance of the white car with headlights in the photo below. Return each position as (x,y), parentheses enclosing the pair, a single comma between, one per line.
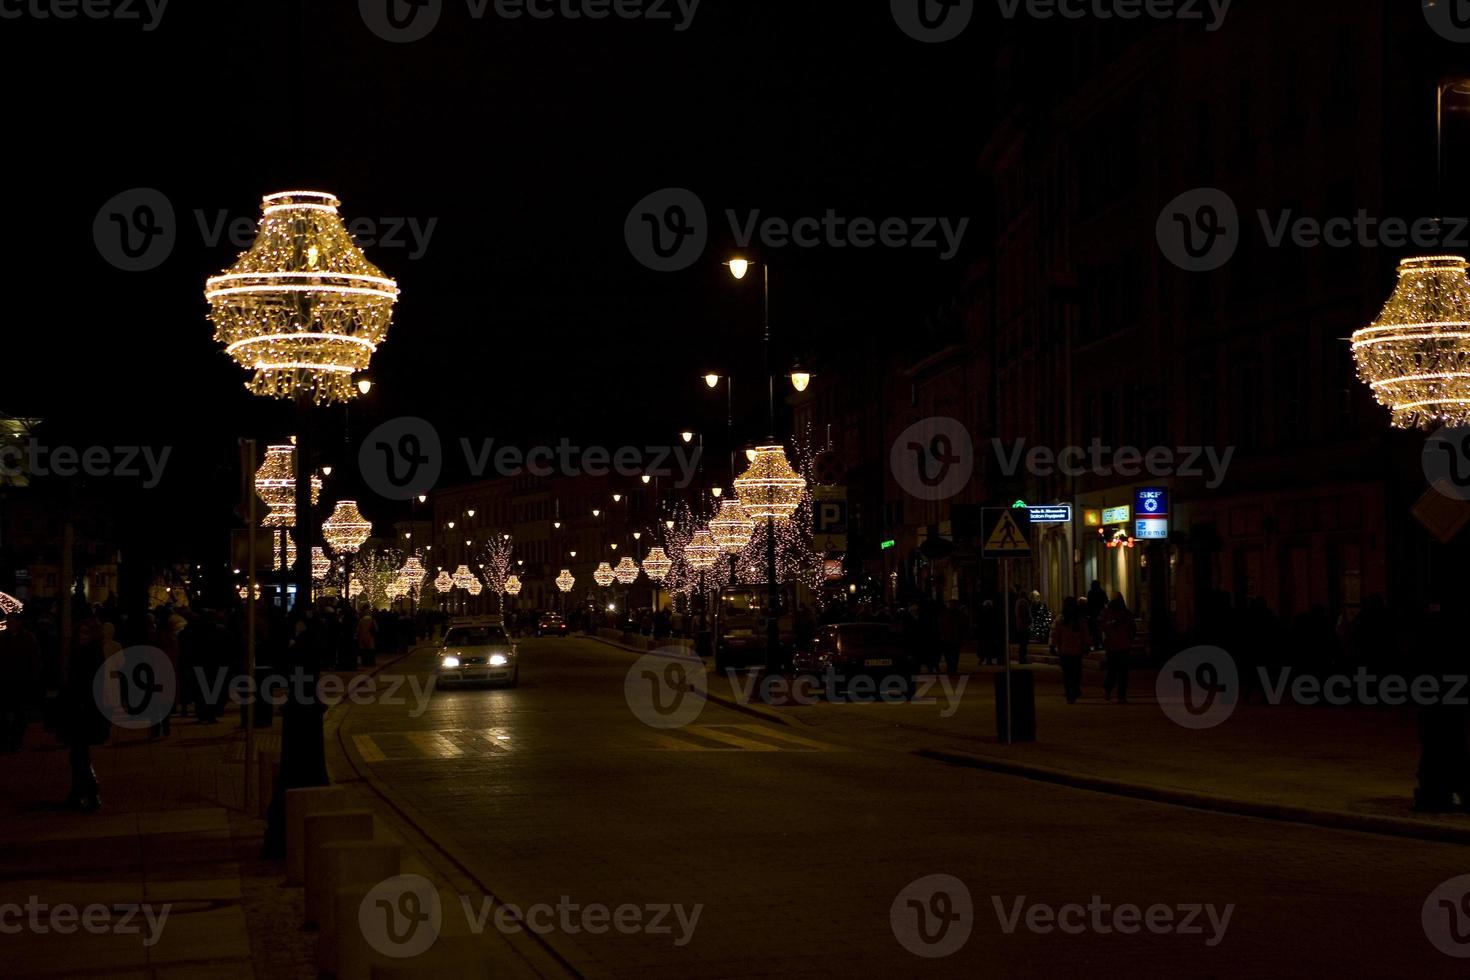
(478,655)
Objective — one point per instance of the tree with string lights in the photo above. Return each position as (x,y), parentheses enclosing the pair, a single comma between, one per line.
(495,561)
(375,571)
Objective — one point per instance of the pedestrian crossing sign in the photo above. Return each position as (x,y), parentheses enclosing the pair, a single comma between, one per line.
(1006,535)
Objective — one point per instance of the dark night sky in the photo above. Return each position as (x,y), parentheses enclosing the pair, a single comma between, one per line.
(526,318)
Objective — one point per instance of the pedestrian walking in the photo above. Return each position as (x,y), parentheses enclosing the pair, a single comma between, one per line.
(1119,629)
(1097,603)
(81,723)
(163,639)
(367,638)
(1023,624)
(1069,641)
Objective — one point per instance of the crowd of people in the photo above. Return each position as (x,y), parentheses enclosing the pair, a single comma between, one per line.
(205,652)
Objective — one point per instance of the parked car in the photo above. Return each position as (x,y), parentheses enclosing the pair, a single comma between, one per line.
(481,654)
(551,624)
(849,650)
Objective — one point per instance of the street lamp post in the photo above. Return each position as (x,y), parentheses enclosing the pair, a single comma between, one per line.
(738,268)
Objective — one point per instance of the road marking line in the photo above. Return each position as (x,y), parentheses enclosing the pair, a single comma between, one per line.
(434,745)
(782,737)
(715,735)
(368,749)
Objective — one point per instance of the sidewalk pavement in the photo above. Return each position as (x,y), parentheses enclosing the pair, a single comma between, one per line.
(174,832)
(1350,767)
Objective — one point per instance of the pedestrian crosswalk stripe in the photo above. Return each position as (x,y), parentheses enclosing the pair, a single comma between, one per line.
(716,734)
(782,736)
(435,745)
(496,738)
(467,744)
(368,749)
(735,738)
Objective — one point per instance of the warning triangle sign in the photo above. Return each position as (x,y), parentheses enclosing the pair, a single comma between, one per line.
(1006,539)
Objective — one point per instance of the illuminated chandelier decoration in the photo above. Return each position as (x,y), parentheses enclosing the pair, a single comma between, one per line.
(464,578)
(320,563)
(731,528)
(303,308)
(346,530)
(444,582)
(604,575)
(396,587)
(656,566)
(627,571)
(1416,355)
(414,574)
(770,488)
(566,580)
(701,552)
(513,585)
(10,605)
(475,588)
(275,483)
(286,560)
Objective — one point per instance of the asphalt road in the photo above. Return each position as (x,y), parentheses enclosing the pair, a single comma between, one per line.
(801,850)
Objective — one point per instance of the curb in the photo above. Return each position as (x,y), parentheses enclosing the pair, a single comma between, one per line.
(1281,812)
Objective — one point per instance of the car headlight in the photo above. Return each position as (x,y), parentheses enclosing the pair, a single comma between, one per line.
(498,660)
(451,662)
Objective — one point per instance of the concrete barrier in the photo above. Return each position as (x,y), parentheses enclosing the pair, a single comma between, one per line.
(353,867)
(359,958)
(326,827)
(299,803)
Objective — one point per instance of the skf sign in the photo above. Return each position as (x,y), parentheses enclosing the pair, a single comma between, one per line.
(1151,510)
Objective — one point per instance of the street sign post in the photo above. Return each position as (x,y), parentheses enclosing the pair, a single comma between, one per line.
(1007,537)
(829,518)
